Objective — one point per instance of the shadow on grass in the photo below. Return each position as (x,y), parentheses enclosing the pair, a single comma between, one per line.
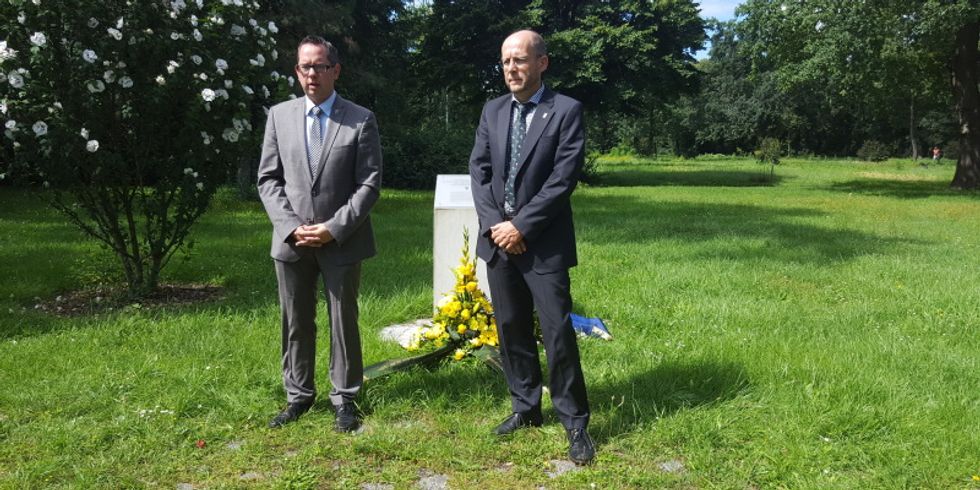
(653,176)
(444,384)
(740,231)
(43,256)
(902,189)
(624,405)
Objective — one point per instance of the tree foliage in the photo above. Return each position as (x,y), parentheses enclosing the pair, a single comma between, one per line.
(887,53)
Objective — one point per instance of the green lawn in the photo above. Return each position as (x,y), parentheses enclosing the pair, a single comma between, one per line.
(814,331)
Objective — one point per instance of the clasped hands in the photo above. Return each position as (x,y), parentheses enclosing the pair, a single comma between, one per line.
(507,237)
(312,236)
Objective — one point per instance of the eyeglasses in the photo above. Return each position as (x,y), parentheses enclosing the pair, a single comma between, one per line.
(321,68)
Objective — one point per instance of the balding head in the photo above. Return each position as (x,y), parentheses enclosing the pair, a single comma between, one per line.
(531,39)
(523,57)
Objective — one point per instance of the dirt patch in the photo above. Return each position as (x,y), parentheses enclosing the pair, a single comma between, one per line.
(104,299)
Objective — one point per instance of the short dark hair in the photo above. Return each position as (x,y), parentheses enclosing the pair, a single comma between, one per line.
(333,56)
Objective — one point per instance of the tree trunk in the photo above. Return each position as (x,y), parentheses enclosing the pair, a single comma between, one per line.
(912,138)
(967,97)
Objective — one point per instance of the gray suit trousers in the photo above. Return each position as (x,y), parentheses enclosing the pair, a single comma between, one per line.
(297,298)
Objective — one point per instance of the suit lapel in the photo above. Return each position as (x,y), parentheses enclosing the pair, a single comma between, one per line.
(333,127)
(502,129)
(297,126)
(542,114)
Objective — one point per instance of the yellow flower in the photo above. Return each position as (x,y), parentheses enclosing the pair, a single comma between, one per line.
(459,354)
(471,286)
(465,314)
(976,477)
(476,341)
(461,329)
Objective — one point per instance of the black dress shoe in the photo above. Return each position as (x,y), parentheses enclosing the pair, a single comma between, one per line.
(581,450)
(290,414)
(348,420)
(518,420)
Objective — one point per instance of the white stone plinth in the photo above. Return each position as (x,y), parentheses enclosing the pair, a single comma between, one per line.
(452,211)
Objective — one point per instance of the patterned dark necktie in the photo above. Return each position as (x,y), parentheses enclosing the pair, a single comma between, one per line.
(518,130)
(316,140)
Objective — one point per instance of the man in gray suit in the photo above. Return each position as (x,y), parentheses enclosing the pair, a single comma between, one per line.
(319,176)
(527,156)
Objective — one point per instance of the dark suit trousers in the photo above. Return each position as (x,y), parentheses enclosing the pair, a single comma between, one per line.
(297,298)
(518,291)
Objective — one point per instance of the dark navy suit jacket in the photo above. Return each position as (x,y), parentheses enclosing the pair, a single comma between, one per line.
(552,158)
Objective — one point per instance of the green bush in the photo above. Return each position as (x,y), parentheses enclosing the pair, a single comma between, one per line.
(413,157)
(874,151)
(770,150)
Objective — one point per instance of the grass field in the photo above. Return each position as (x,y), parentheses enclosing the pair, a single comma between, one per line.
(818,330)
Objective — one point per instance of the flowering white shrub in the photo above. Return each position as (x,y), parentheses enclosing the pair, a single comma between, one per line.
(108,102)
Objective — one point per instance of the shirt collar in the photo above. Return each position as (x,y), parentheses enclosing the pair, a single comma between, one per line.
(535,99)
(326,106)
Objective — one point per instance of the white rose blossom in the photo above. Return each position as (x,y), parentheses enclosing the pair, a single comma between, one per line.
(272,27)
(109,76)
(208,95)
(197,59)
(221,64)
(3,107)
(175,36)
(16,79)
(197,35)
(93,22)
(92,146)
(40,128)
(248,90)
(126,82)
(21,17)
(200,186)
(5,52)
(229,135)
(10,124)
(172,66)
(237,30)
(160,80)
(89,56)
(83,133)
(38,39)
(229,84)
(95,86)
(115,33)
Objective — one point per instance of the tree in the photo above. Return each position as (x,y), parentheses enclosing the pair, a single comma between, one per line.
(134,112)
(623,59)
(873,50)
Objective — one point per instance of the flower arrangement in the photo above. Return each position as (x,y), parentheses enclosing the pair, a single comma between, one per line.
(463,317)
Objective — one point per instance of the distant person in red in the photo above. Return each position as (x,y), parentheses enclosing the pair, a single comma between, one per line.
(937,154)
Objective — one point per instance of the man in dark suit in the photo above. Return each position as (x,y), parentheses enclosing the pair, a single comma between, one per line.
(319,176)
(526,160)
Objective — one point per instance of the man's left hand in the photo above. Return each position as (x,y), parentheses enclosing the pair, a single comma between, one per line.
(312,235)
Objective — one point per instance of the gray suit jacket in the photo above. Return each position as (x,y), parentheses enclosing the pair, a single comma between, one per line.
(551,160)
(340,196)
